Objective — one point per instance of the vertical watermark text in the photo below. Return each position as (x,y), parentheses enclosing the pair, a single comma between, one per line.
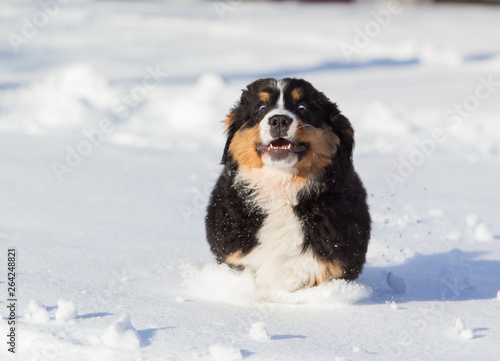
(11,300)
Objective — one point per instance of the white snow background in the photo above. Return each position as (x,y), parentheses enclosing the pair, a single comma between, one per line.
(110,141)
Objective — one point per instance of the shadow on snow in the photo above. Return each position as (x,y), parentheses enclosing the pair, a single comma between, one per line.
(451,276)
(147,335)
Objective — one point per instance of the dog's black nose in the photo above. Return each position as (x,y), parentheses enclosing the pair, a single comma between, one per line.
(279,125)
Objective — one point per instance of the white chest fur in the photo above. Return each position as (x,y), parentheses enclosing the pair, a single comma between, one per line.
(278,261)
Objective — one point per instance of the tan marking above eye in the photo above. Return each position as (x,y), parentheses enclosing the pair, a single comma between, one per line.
(264,97)
(297,94)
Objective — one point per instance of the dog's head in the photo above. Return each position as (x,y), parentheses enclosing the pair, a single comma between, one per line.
(287,123)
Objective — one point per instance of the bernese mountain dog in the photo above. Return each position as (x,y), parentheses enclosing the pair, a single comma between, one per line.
(288,204)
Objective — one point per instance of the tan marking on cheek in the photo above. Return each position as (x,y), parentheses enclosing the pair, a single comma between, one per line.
(242,148)
(264,97)
(323,145)
(297,94)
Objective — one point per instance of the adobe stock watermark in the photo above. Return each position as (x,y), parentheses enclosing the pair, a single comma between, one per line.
(121,107)
(363,37)
(222,7)
(31,26)
(261,313)
(199,200)
(455,115)
(455,283)
(452,117)
(153,78)
(74,156)
(49,351)
(418,323)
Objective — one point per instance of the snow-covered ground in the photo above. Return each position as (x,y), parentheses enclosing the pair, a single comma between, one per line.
(110,139)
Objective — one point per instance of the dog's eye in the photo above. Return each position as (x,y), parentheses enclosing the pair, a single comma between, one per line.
(301,107)
(262,108)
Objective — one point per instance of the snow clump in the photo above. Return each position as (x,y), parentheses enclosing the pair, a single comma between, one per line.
(37,312)
(472,220)
(483,233)
(122,335)
(66,310)
(225,353)
(258,331)
(467,334)
(461,330)
(480,229)
(180,299)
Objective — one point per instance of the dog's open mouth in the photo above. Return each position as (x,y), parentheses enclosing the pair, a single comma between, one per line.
(282,147)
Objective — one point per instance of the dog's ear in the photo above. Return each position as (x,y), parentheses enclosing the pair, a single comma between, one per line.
(343,129)
(235,119)
(229,123)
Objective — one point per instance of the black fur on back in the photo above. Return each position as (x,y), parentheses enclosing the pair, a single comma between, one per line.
(336,222)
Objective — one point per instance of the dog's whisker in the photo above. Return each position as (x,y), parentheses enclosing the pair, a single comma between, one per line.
(308,126)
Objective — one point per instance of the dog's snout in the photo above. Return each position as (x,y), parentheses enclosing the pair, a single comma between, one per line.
(279,125)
